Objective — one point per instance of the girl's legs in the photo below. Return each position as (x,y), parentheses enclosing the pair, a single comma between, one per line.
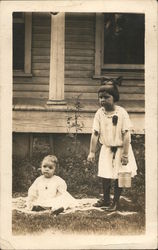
(106,194)
(106,190)
(117,191)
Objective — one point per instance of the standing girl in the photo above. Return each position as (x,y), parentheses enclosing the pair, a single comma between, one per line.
(111,126)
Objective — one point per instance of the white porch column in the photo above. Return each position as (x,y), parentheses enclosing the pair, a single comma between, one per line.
(57,59)
(98,44)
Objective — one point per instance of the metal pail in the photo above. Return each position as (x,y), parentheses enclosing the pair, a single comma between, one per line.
(124,179)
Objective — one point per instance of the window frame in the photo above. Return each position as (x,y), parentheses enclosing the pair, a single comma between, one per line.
(27,48)
(99,50)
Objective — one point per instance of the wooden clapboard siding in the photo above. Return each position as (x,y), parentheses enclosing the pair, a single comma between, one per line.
(41,18)
(37,86)
(79,37)
(128,74)
(30,80)
(70,66)
(94,96)
(78,73)
(41,44)
(130,90)
(42,37)
(78,52)
(41,66)
(68,73)
(78,59)
(68,58)
(41,26)
(31,87)
(79,47)
(79,64)
(30,94)
(73,81)
(76,88)
(45,59)
(91,82)
(40,72)
(41,29)
(84,45)
(39,89)
(94,89)
(41,51)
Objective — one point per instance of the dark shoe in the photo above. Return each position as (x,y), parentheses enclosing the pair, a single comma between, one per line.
(114,207)
(57,211)
(101,203)
(39,208)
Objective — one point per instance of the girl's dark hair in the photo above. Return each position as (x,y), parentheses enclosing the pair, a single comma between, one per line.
(110,86)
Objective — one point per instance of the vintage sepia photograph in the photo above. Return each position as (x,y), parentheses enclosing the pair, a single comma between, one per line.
(78,135)
(67,69)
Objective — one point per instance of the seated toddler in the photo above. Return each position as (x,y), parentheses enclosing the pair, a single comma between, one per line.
(49,191)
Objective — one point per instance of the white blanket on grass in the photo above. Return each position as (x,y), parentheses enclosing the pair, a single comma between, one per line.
(83,204)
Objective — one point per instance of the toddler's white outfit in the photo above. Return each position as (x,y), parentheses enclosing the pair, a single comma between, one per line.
(50,192)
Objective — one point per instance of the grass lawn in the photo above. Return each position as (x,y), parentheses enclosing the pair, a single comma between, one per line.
(87,222)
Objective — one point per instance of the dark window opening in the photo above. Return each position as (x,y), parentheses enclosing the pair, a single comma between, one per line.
(123,38)
(18,41)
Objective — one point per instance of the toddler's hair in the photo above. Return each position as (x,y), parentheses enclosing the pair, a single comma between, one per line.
(109,86)
(49,159)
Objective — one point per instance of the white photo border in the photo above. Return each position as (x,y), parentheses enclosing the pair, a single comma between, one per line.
(149,240)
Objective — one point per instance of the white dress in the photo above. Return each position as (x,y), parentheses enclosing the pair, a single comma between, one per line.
(110,135)
(50,192)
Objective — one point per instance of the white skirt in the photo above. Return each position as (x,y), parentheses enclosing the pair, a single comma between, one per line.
(64,200)
(109,167)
